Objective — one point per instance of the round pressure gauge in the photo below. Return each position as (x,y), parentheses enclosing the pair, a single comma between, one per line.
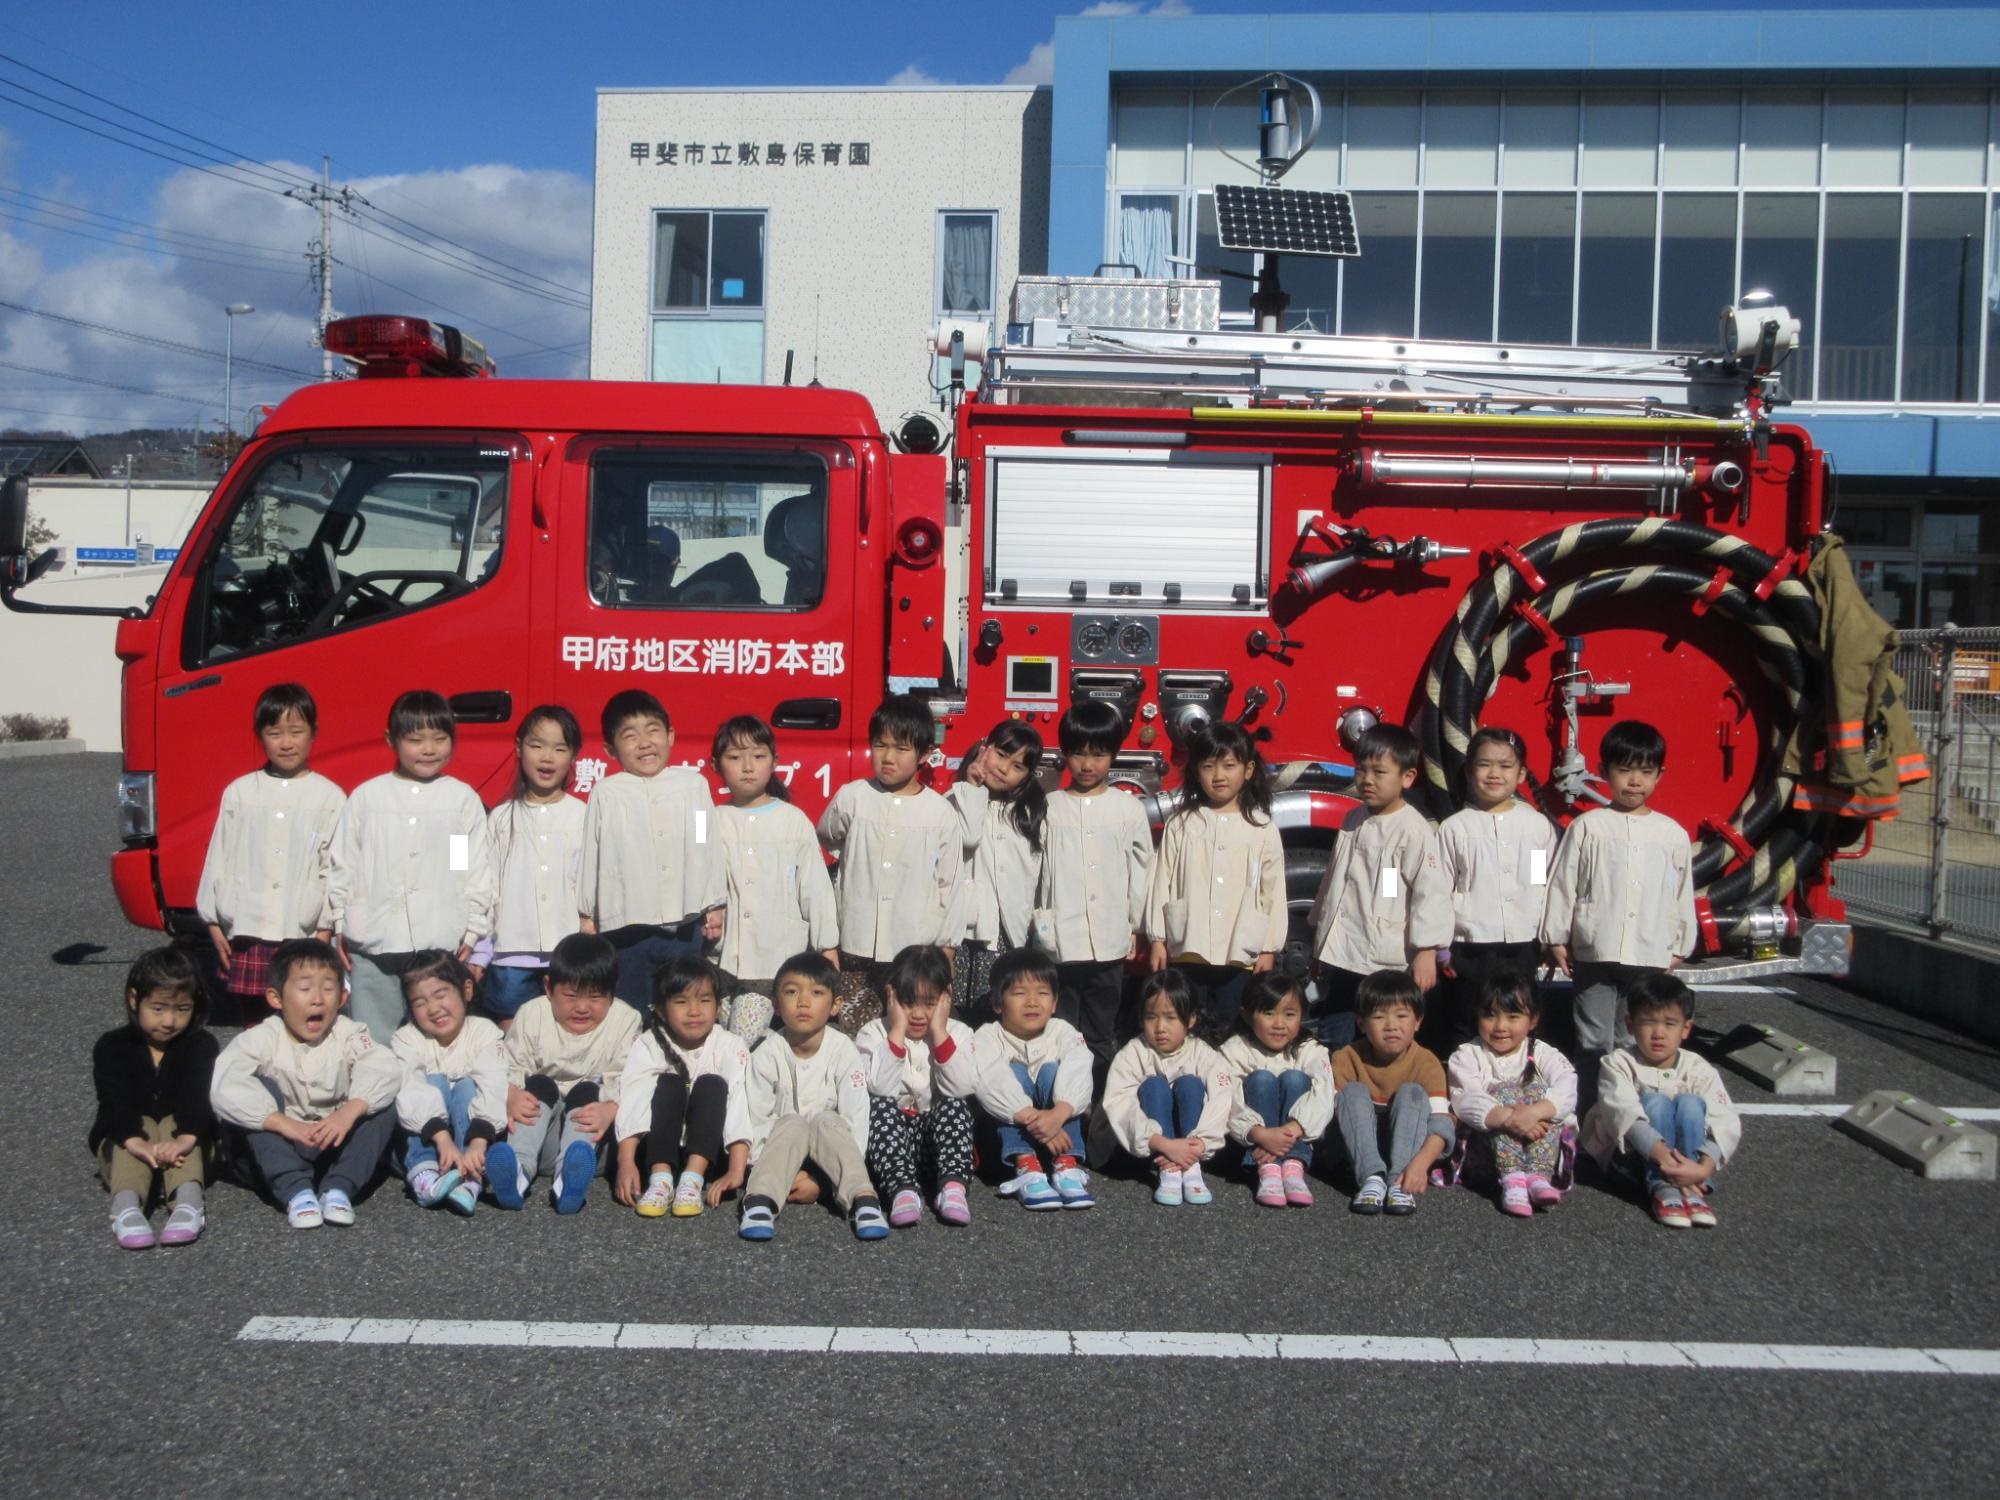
(1134,639)
(1093,638)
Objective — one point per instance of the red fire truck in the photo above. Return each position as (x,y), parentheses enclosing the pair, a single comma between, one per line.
(1301,532)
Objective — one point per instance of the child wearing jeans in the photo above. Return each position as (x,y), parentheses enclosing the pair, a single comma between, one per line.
(1034,1083)
(454,1096)
(537,837)
(1515,1094)
(1284,1089)
(1390,1101)
(921,1073)
(312,1093)
(1168,1096)
(1662,1114)
(154,1124)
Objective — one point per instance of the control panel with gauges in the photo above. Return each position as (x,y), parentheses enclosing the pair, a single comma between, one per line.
(1114,640)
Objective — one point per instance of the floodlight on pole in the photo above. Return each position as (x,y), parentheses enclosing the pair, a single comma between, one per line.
(230,314)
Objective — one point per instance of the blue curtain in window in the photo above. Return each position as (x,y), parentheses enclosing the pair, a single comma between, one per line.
(1146,233)
(968,263)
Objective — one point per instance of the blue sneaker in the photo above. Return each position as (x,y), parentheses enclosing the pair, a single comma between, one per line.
(760,1220)
(1072,1185)
(579,1165)
(1033,1190)
(463,1200)
(503,1175)
(869,1224)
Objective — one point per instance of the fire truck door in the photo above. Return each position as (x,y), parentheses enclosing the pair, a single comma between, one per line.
(715,574)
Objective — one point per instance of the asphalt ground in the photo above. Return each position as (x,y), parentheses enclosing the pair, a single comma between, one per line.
(124,1372)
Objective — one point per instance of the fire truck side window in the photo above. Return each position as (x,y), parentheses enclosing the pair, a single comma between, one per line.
(707,530)
(325,538)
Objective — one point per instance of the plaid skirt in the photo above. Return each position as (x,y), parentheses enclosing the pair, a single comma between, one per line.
(249,966)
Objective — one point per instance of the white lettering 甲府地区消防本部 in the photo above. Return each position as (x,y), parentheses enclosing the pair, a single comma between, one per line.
(704,658)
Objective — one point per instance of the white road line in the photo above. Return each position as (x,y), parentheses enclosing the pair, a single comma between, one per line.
(757,1338)
(1834,1111)
(1739,989)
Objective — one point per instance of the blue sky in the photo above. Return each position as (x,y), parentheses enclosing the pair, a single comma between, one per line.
(473,122)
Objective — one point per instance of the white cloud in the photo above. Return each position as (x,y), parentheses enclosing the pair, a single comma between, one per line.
(912,75)
(1039,66)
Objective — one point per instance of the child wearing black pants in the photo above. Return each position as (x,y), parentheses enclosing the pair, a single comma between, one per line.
(681,1101)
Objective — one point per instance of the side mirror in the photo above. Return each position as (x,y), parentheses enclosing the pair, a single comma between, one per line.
(14,516)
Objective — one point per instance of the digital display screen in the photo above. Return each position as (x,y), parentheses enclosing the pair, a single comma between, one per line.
(1031,677)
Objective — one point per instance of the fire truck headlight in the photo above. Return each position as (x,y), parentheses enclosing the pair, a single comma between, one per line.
(136,823)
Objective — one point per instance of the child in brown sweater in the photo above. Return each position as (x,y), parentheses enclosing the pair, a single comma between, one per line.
(1390,1097)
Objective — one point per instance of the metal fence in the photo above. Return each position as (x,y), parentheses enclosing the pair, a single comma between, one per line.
(1937,864)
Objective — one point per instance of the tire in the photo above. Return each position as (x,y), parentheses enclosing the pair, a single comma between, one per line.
(1307,855)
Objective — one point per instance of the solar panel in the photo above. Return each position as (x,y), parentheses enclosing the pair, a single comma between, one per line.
(1295,221)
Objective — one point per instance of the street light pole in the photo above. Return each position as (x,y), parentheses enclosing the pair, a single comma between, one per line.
(229,316)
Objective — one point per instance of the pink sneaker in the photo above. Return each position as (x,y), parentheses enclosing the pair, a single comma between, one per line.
(1270,1186)
(1543,1193)
(1514,1197)
(132,1231)
(951,1205)
(184,1225)
(1297,1192)
(906,1209)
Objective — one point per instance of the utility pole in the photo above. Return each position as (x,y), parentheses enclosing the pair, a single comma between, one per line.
(320,252)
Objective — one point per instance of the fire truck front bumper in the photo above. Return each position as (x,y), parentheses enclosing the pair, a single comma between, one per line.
(133,878)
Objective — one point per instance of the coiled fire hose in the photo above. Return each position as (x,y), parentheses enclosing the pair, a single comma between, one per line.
(1758,857)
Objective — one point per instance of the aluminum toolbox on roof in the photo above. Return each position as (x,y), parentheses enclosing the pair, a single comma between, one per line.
(1119,302)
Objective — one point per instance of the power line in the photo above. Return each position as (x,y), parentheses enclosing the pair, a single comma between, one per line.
(56,207)
(408,243)
(109,385)
(213,260)
(477,324)
(178,161)
(384,213)
(155,341)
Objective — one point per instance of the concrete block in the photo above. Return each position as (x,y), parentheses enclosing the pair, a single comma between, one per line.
(1922,1136)
(1783,1064)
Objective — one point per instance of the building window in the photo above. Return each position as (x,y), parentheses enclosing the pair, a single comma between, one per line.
(708,296)
(1149,233)
(967,265)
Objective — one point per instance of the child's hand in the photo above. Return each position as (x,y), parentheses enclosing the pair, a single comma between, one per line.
(975,764)
(1684,1171)
(1500,1119)
(1416,1178)
(593,1120)
(472,1160)
(1559,956)
(1187,1152)
(832,956)
(1157,959)
(334,1129)
(222,950)
(340,947)
(477,971)
(465,952)
(941,1018)
(1264,963)
(805,1189)
(1675,962)
(1424,969)
(523,1108)
(1138,949)
(447,1150)
(721,1187)
(895,1018)
(712,923)
(626,1188)
(324,934)
(142,1148)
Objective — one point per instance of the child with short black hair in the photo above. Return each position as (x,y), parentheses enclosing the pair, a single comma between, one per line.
(1035,1084)
(1621,895)
(901,879)
(1662,1114)
(1391,1103)
(809,1107)
(412,864)
(1169,1094)
(651,879)
(265,877)
(779,891)
(682,1099)
(1515,1095)
(1097,871)
(565,1061)
(453,1101)
(1284,1089)
(921,1074)
(1000,800)
(312,1093)
(1384,902)
(537,837)
(154,1126)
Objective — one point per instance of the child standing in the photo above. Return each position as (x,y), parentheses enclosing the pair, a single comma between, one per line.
(1384,902)
(1390,1097)
(565,1057)
(809,1104)
(537,837)
(265,878)
(901,850)
(1283,1089)
(1000,800)
(412,866)
(1515,1093)
(681,1100)
(154,1124)
(921,1072)
(651,878)
(776,876)
(313,1094)
(1662,1113)
(1217,902)
(1034,1083)
(1621,898)
(1169,1093)
(1495,854)
(1097,870)
(454,1095)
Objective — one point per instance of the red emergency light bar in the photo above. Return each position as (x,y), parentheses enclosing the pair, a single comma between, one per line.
(407,348)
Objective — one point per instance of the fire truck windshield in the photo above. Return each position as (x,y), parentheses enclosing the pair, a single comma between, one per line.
(323,538)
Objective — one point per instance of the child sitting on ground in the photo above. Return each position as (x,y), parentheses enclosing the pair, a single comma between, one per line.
(310,1090)
(921,1072)
(1034,1083)
(564,1058)
(1168,1095)
(1283,1095)
(1390,1097)
(1662,1113)
(681,1101)
(454,1095)
(1515,1094)
(808,1099)
(154,1124)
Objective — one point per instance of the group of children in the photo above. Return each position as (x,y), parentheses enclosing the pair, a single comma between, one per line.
(679,989)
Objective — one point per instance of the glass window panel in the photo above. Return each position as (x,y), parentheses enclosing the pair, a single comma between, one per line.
(1941,312)
(1231,125)
(1781,256)
(1615,279)
(1152,136)
(1380,292)
(1541,138)
(1697,268)
(1314,284)
(1211,257)
(1890,586)
(1857,338)
(1948,138)
(1781,139)
(1961,593)
(1537,261)
(1701,130)
(726,351)
(1621,133)
(1864,138)
(1382,139)
(1955,528)
(1458,266)
(965,265)
(1461,139)
(1149,232)
(680,261)
(736,268)
(1875,525)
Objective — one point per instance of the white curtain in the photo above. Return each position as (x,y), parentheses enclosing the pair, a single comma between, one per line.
(1146,232)
(968,264)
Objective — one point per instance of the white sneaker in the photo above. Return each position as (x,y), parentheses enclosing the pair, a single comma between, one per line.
(303,1212)
(338,1211)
